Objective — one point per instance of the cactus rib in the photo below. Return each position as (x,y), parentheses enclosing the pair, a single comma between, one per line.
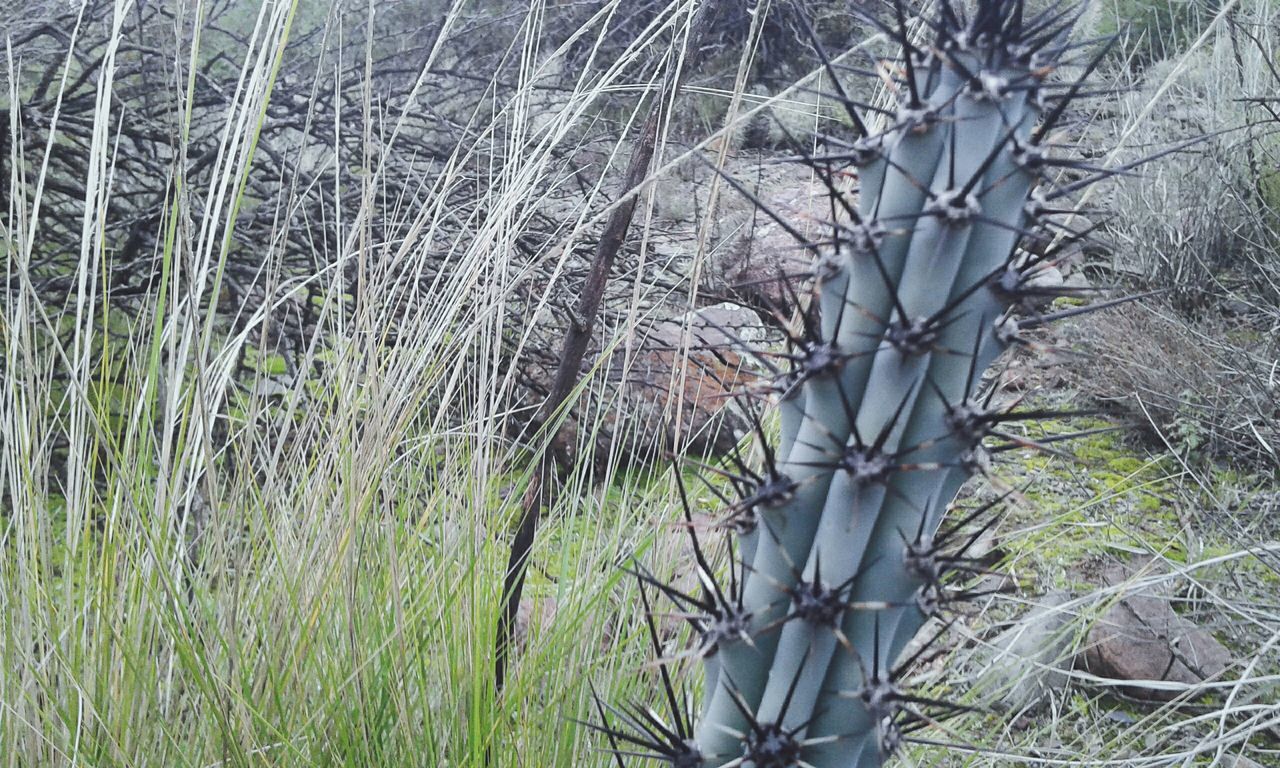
(917,291)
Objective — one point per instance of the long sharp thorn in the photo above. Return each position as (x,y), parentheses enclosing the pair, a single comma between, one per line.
(1040,320)
(845,101)
(668,686)
(608,732)
(912,86)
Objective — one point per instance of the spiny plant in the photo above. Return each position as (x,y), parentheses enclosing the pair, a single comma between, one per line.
(839,550)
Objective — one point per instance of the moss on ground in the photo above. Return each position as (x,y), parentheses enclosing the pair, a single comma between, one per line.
(1100,498)
(1094,495)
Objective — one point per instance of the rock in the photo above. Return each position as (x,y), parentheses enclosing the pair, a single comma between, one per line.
(767,266)
(1143,641)
(1071,222)
(1235,308)
(672,389)
(759,263)
(1239,761)
(1121,717)
(1078,281)
(693,365)
(1030,661)
(1072,238)
(273,387)
(1093,243)
(663,389)
(1070,258)
(1044,281)
(534,611)
(716,327)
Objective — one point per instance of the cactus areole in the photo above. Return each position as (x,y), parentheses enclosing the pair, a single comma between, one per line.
(842,545)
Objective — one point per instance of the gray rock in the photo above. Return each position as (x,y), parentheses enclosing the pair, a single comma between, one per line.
(1235,308)
(1070,259)
(682,380)
(1075,222)
(1239,761)
(273,387)
(1078,280)
(759,262)
(1030,661)
(767,265)
(539,612)
(1045,277)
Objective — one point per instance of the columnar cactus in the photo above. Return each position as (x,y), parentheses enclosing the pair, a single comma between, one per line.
(922,282)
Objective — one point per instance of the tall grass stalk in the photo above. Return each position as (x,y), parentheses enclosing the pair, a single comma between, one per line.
(199,573)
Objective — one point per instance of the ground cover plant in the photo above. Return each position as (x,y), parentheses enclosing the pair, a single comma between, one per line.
(276,275)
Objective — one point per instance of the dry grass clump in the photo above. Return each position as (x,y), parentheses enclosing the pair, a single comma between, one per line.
(1202,227)
(1210,387)
(1202,222)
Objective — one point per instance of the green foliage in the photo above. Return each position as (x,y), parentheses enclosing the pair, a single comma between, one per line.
(1153,30)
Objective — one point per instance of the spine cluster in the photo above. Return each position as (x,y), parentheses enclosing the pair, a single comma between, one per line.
(923,279)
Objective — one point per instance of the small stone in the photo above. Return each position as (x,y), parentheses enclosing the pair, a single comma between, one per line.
(270,387)
(694,366)
(761,264)
(534,611)
(1070,258)
(1235,308)
(1029,661)
(1043,277)
(1141,640)
(1077,280)
(672,388)
(1239,761)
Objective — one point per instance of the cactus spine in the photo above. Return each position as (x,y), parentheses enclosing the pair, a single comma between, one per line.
(842,546)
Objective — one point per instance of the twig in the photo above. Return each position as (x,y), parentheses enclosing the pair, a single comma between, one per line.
(541,492)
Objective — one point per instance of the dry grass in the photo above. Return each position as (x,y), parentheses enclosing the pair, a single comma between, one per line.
(1210,386)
